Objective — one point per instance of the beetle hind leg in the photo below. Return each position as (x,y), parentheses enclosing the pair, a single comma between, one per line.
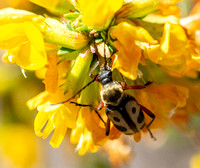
(150,114)
(150,133)
(107,127)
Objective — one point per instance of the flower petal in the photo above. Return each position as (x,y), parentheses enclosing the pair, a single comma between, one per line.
(98,13)
(58,136)
(10,15)
(58,118)
(51,76)
(173,93)
(128,55)
(55,6)
(137,8)
(195,161)
(38,100)
(172,52)
(11,35)
(25,42)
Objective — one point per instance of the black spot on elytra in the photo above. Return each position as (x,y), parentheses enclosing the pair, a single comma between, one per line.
(121,128)
(140,117)
(116,119)
(133,110)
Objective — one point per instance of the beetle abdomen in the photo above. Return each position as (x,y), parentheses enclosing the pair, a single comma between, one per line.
(127,116)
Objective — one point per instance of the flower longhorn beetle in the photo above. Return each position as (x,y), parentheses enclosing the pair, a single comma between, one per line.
(122,110)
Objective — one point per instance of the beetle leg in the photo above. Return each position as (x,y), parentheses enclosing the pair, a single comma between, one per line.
(135,86)
(150,114)
(92,70)
(108,127)
(124,81)
(93,108)
(101,105)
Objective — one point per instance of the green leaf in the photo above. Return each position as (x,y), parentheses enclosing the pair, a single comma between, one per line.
(69,57)
(69,26)
(99,40)
(79,71)
(64,50)
(110,49)
(103,34)
(83,29)
(72,16)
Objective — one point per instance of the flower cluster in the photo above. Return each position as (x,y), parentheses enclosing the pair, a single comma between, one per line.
(145,40)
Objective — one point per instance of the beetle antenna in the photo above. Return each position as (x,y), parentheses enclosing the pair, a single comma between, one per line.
(65,101)
(105,41)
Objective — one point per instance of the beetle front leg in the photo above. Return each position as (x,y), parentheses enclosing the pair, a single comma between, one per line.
(101,105)
(92,70)
(125,87)
(93,108)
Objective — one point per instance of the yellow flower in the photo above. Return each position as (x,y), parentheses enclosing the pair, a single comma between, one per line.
(182,115)
(195,161)
(137,8)
(173,93)
(98,14)
(94,125)
(192,26)
(118,151)
(162,100)
(51,76)
(128,53)
(22,38)
(50,4)
(167,7)
(81,136)
(10,15)
(41,98)
(23,34)
(90,132)
(63,51)
(25,45)
(23,151)
(22,4)
(61,116)
(172,53)
(56,117)
(55,6)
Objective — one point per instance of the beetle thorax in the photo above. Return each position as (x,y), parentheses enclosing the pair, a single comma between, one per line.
(111,93)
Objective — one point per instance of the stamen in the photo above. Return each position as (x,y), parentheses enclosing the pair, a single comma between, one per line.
(24,72)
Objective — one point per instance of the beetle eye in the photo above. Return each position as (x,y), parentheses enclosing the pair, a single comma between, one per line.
(106,80)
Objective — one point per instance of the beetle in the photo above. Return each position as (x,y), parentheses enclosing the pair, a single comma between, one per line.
(122,109)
